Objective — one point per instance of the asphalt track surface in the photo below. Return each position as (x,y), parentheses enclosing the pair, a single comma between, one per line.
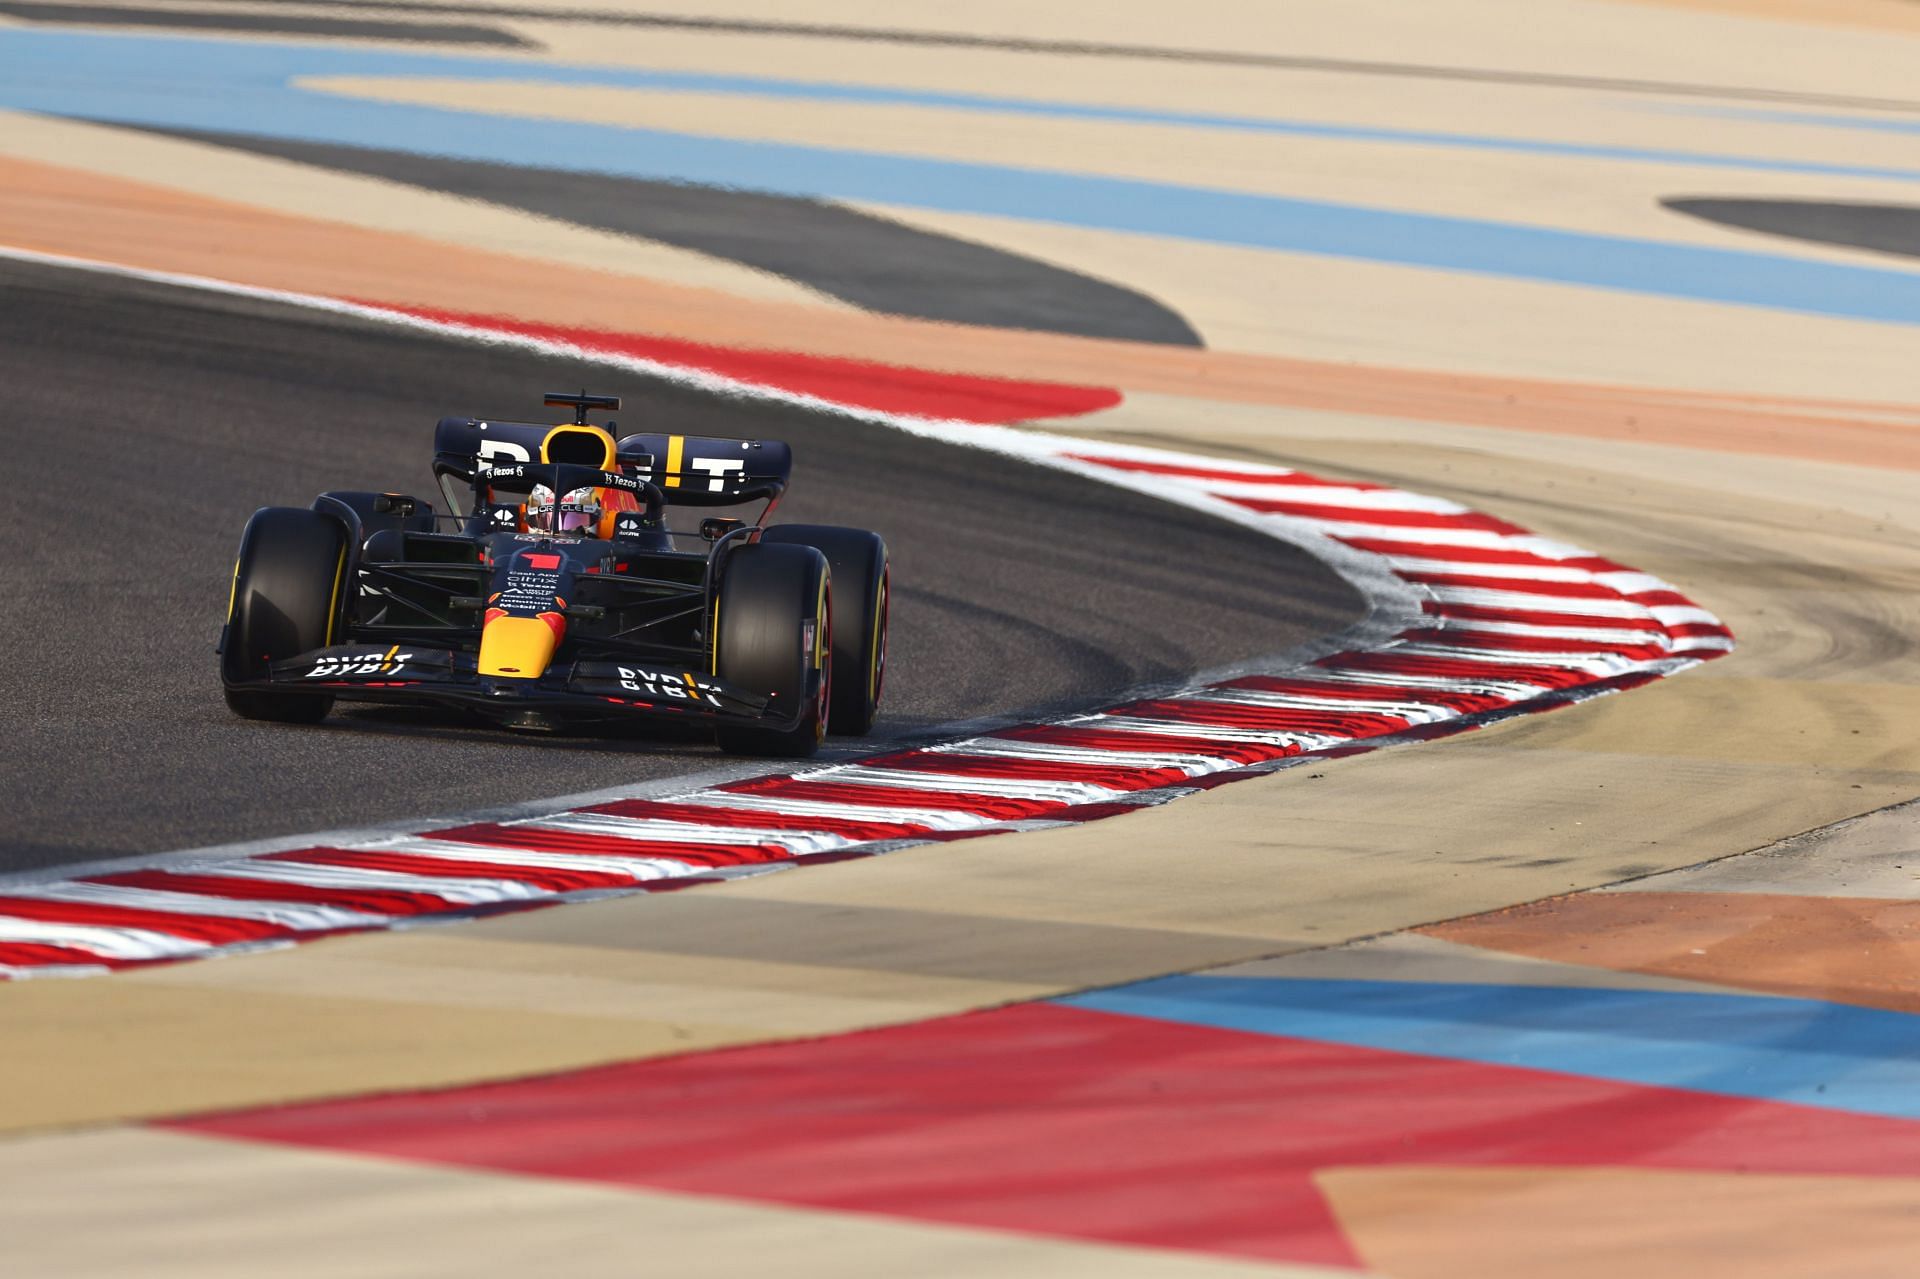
(263,24)
(1881,228)
(145,422)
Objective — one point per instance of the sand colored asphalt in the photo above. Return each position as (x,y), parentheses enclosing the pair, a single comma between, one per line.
(1598,1223)
(266,1210)
(1830,915)
(1587,39)
(1884,15)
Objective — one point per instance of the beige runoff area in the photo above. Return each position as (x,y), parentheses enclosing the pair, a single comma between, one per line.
(110,1204)
(1875,855)
(1448,1222)
(1586,38)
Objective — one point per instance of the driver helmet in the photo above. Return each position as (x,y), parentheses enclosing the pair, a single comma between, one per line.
(578,513)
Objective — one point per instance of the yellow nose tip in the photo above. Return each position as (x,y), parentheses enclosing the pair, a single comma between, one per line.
(519,647)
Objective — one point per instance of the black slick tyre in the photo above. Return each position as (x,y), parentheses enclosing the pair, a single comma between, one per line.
(287,589)
(772,633)
(860,603)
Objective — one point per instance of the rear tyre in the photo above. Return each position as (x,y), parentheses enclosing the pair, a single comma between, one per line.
(860,603)
(772,636)
(287,589)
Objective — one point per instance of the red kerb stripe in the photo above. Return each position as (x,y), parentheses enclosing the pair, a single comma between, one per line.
(1367,515)
(377,901)
(1105,739)
(542,877)
(997,808)
(211,929)
(712,815)
(1051,770)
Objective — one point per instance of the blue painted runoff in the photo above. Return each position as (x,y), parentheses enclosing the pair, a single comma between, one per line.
(1817,119)
(251,87)
(1835,1056)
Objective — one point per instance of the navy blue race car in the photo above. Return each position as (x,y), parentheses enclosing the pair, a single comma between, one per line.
(551,592)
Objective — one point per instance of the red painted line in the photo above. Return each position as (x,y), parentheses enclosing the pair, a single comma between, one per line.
(860,383)
(1069,1123)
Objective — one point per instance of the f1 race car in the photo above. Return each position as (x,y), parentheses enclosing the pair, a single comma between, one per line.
(551,593)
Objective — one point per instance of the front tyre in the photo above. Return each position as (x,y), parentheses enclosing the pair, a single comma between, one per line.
(772,636)
(287,589)
(860,586)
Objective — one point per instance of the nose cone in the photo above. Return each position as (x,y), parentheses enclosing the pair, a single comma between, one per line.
(519,647)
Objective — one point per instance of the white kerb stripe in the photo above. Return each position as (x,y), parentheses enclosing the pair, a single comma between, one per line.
(1412,712)
(1005,748)
(795,841)
(1488,598)
(1632,581)
(300,915)
(638,868)
(1475,568)
(103,940)
(1591,663)
(1683,615)
(461,891)
(1540,630)
(1506,690)
(987,787)
(1334,495)
(1483,539)
(1218,732)
(930,818)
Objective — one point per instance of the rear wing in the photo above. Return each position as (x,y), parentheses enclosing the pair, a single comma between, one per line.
(689,470)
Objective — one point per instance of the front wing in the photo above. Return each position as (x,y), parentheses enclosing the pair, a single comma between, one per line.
(569,692)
